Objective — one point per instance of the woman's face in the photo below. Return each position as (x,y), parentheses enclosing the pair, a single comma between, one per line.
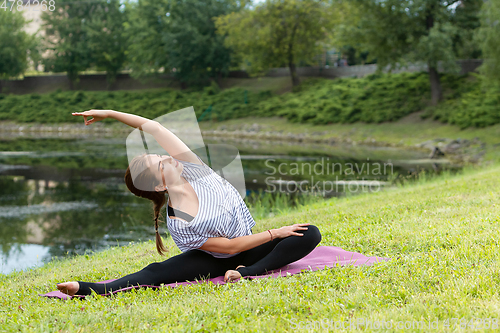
(166,169)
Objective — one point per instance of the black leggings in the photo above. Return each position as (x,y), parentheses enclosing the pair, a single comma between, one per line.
(197,264)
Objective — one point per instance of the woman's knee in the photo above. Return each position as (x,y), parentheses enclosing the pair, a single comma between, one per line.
(312,234)
(153,267)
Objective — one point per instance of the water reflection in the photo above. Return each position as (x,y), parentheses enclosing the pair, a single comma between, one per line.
(69,217)
(22,256)
(65,196)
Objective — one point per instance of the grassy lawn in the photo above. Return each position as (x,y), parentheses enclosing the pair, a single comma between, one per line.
(444,231)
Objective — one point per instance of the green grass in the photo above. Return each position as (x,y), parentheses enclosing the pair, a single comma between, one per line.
(444,230)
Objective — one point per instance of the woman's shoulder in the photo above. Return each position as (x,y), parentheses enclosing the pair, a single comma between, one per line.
(192,159)
(196,171)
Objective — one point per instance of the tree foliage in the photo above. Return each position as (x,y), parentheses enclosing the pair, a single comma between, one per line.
(397,32)
(146,51)
(489,37)
(278,33)
(66,38)
(195,49)
(106,39)
(179,36)
(15,44)
(81,35)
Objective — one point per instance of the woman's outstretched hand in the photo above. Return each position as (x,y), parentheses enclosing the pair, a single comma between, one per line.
(97,115)
(290,230)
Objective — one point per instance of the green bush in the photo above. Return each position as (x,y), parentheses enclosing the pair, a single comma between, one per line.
(471,104)
(373,99)
(57,107)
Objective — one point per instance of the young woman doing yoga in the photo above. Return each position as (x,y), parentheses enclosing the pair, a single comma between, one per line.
(207,218)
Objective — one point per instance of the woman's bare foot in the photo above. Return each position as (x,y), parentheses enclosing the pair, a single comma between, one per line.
(69,288)
(231,276)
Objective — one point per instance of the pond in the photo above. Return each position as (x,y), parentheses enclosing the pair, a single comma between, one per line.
(62,195)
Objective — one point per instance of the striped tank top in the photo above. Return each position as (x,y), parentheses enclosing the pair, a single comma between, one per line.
(221,213)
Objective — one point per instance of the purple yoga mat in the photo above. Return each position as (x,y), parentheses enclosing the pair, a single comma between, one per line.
(319,258)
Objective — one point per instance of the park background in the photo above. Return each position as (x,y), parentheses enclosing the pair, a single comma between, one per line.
(413,84)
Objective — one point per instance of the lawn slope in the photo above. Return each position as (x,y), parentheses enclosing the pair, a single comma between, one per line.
(442,234)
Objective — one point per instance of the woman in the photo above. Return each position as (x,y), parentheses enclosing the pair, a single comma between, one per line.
(207,218)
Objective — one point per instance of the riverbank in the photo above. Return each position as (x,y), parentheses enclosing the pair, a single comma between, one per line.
(471,145)
(439,229)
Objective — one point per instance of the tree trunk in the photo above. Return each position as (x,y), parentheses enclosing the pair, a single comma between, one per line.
(73,79)
(291,58)
(218,78)
(71,83)
(436,91)
(293,74)
(111,80)
(0,86)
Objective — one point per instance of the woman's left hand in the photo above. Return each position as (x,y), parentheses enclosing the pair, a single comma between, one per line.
(290,230)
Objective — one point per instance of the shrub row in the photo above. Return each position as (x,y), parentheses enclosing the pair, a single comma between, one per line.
(372,99)
(472,103)
(57,107)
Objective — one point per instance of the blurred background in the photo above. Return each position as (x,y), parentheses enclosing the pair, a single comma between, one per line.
(382,92)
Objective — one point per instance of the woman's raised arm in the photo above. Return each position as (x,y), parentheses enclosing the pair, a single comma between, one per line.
(168,140)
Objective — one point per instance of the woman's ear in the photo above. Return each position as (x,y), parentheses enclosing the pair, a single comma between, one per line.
(160,188)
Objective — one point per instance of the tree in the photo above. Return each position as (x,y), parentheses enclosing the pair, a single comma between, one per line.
(179,35)
(146,52)
(277,33)
(84,34)
(489,37)
(105,38)
(396,32)
(15,44)
(66,38)
(467,19)
(196,50)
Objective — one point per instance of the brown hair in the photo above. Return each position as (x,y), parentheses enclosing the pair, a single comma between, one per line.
(158,198)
